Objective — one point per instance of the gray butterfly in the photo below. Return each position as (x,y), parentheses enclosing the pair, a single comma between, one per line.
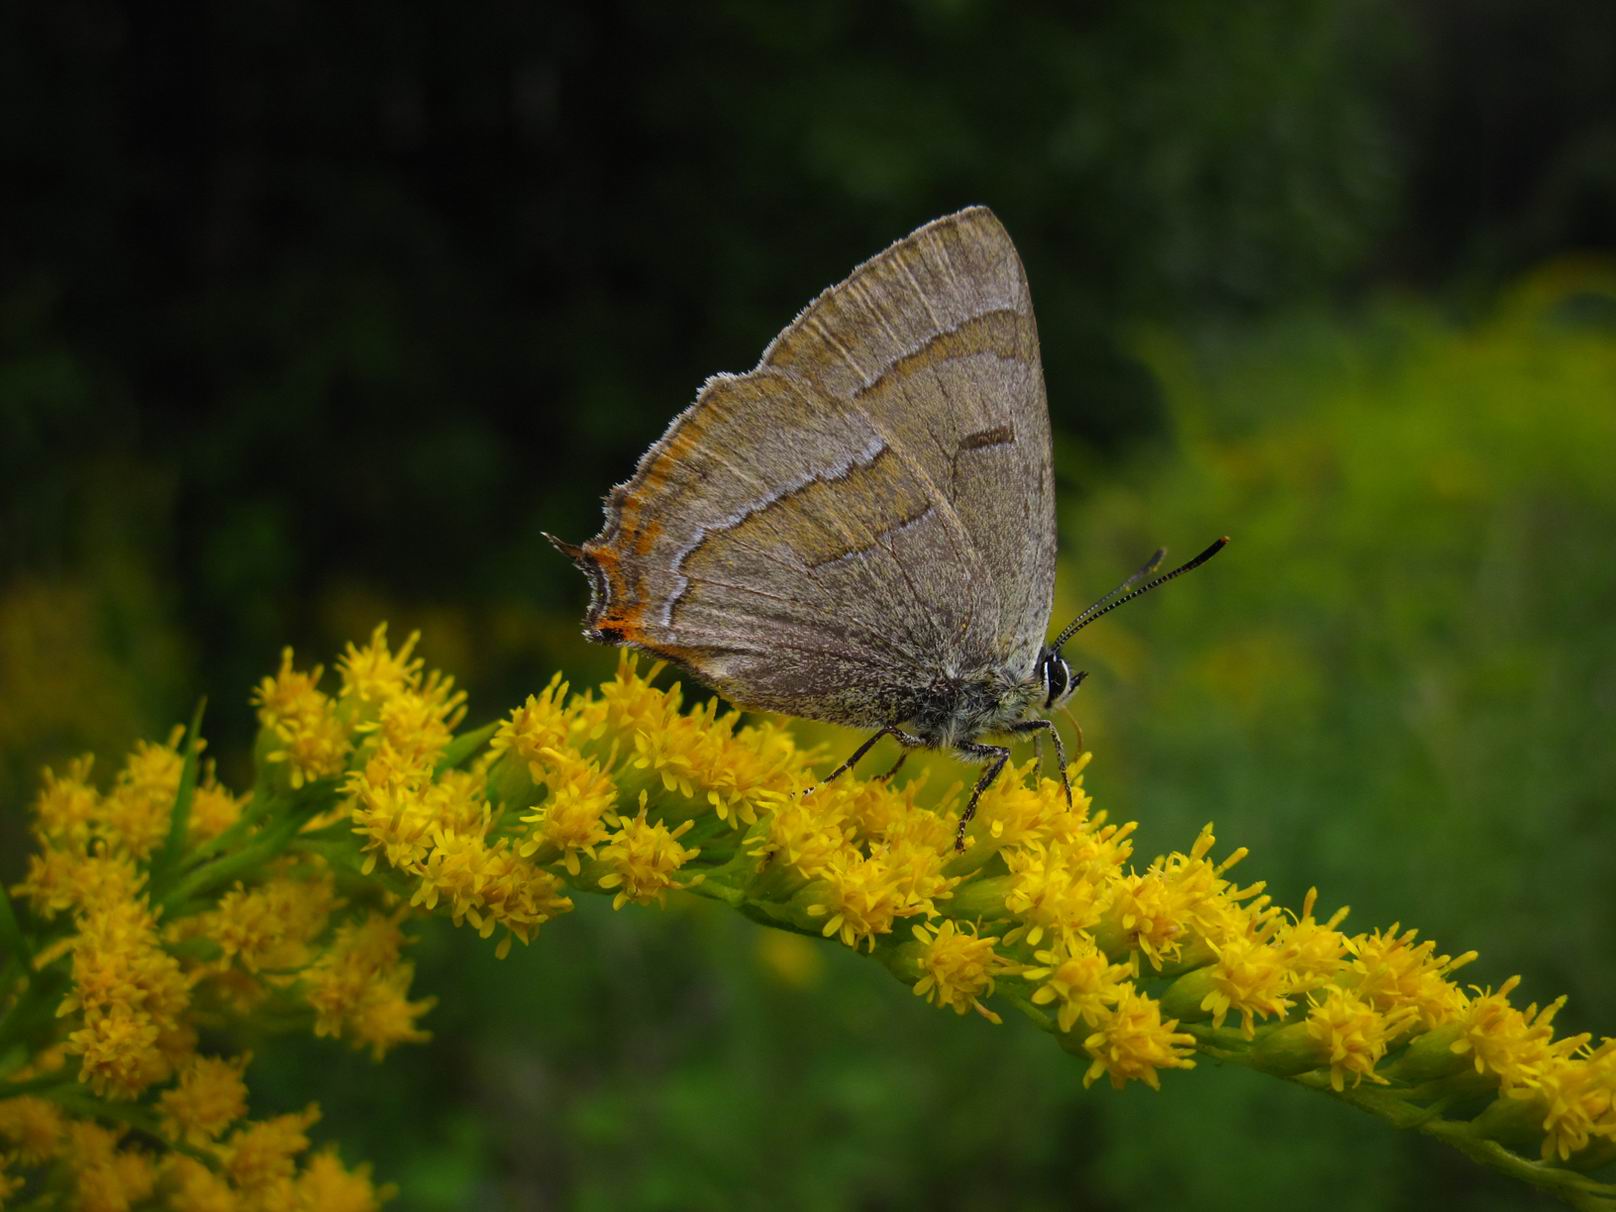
(862,529)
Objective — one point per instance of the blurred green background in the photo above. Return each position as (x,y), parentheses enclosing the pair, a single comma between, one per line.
(313,315)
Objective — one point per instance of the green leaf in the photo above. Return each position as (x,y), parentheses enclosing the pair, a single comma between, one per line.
(179,820)
(11,935)
(464,745)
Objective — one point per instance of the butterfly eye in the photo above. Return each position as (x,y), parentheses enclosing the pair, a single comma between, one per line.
(1057,677)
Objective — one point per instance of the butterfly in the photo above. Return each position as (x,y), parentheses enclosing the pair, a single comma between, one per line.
(861,529)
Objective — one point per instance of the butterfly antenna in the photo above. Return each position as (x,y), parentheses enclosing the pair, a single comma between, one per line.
(1111,601)
(1145,569)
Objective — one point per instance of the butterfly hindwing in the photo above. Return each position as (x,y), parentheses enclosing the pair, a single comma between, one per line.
(871,505)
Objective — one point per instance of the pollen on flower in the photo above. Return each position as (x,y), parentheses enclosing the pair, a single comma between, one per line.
(268,928)
(213,809)
(641,858)
(1132,1042)
(1312,950)
(632,702)
(746,769)
(489,885)
(959,967)
(289,694)
(418,721)
(1012,813)
(860,896)
(802,834)
(312,744)
(1180,898)
(104,1176)
(328,1185)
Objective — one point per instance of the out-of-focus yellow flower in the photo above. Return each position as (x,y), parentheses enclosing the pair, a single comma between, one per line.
(327,1185)
(262,1153)
(129,995)
(31,1128)
(359,987)
(209,1096)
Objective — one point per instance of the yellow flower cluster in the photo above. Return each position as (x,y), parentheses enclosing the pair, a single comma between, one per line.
(166,901)
(1135,968)
(372,804)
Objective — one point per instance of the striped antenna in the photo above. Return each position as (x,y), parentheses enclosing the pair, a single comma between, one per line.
(1110,601)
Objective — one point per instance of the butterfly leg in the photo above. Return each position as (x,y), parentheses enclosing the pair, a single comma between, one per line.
(896,766)
(903,738)
(1039,727)
(997,756)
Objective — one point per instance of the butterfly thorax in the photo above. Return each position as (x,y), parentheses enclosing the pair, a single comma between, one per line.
(955,710)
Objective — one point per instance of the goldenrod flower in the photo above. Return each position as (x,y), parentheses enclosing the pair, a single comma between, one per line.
(1081,978)
(1513,1045)
(209,1096)
(260,1154)
(1250,977)
(181,903)
(640,858)
(1575,1091)
(31,1128)
(1354,1034)
(374,674)
(571,822)
(1132,1042)
(326,1184)
(960,967)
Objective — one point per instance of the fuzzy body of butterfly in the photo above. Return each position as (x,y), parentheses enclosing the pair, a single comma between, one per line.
(861,530)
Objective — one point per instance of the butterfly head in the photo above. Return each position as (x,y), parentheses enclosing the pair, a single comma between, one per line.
(1056,678)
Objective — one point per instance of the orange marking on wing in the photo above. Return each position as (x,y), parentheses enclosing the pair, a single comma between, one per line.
(644,539)
(678,445)
(606,559)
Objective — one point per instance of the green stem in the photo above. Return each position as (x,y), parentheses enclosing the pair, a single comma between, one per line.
(1392,1105)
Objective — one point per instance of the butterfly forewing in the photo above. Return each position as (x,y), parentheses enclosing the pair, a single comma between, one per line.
(871,507)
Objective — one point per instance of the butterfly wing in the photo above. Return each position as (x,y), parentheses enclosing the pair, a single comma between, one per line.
(868,509)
